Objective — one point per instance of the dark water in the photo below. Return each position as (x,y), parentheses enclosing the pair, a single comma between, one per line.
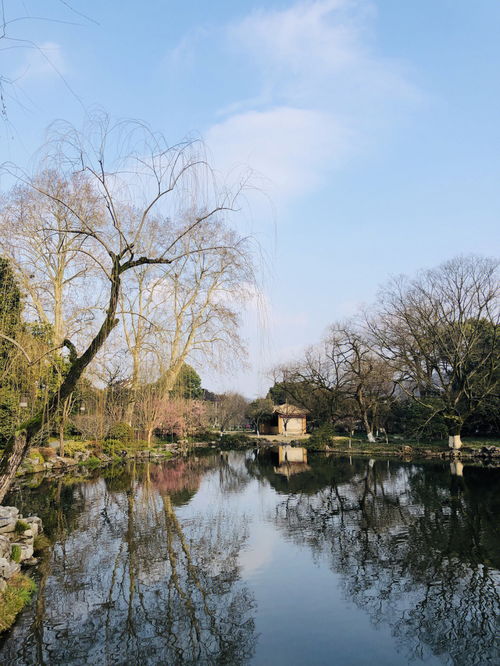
(231,560)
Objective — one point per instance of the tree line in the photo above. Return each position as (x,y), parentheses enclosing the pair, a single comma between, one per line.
(423,361)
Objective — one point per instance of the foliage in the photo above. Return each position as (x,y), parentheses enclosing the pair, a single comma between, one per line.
(415,421)
(260,411)
(121,431)
(9,410)
(321,438)
(236,441)
(91,461)
(72,447)
(187,384)
(19,591)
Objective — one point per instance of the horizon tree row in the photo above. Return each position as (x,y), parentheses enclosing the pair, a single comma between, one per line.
(427,352)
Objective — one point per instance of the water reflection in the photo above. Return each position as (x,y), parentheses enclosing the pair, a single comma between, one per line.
(133,583)
(418,549)
(146,563)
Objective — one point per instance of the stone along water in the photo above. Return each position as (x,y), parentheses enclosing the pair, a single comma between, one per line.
(235,559)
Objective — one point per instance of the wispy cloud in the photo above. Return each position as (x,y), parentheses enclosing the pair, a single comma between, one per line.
(321,91)
(288,146)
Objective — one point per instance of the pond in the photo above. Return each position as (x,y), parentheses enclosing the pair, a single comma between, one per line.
(234,559)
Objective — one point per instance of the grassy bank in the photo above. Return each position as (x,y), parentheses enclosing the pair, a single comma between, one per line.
(14,598)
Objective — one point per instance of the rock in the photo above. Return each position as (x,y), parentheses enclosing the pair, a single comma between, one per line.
(31,561)
(35,524)
(4,566)
(490,451)
(8,568)
(64,461)
(7,525)
(9,512)
(5,547)
(3,585)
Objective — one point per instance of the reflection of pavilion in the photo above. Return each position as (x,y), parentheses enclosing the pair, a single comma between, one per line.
(289,469)
(291,454)
(291,460)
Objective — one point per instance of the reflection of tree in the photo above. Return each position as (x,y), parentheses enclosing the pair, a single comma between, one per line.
(233,476)
(137,582)
(181,478)
(412,553)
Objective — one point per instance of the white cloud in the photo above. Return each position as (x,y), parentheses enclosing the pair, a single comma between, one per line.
(321,93)
(286,145)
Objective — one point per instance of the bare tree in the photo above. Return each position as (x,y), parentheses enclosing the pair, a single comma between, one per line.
(188,311)
(440,334)
(54,271)
(364,378)
(345,375)
(231,409)
(148,184)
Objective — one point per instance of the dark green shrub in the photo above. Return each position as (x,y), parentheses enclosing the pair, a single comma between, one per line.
(321,438)
(121,431)
(205,436)
(235,441)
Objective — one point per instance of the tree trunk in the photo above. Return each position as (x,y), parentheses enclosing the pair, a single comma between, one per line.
(61,439)
(150,436)
(370,437)
(13,455)
(454,442)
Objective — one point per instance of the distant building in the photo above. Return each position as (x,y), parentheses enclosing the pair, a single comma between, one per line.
(286,420)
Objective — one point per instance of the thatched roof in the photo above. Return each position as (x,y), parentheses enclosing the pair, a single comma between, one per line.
(290,411)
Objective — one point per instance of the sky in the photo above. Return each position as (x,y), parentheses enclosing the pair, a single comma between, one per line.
(371,126)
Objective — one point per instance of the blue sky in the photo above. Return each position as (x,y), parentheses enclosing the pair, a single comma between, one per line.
(373,125)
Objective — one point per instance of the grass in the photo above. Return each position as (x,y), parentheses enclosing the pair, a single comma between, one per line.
(21,526)
(41,542)
(15,554)
(14,598)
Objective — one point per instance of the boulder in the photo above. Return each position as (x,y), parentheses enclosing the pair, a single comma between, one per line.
(9,512)
(35,524)
(5,547)
(8,568)
(7,525)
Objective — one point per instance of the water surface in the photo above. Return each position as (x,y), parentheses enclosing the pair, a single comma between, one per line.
(231,559)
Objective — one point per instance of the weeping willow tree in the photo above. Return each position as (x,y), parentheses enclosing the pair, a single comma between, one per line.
(140,187)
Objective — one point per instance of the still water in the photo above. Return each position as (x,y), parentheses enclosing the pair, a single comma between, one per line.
(232,559)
